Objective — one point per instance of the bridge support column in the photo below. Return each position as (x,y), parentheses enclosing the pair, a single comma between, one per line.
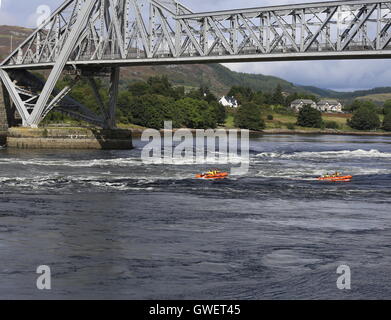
(7,110)
(113,97)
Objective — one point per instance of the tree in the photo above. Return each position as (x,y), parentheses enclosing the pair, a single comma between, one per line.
(387,107)
(248,116)
(242,94)
(152,110)
(161,86)
(278,97)
(357,104)
(207,95)
(259,98)
(365,119)
(220,112)
(197,114)
(309,117)
(203,93)
(124,113)
(139,88)
(387,122)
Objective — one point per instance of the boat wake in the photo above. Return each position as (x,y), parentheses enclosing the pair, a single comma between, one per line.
(343,154)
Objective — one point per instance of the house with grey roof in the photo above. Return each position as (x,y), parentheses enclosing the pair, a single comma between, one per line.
(331,106)
(298,104)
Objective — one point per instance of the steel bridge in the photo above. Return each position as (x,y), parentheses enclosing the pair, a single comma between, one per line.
(92,38)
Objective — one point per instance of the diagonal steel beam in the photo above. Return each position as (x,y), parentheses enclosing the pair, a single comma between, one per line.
(167,32)
(252,34)
(192,37)
(142,29)
(286,33)
(117,28)
(77,28)
(216,30)
(357,27)
(19,104)
(315,36)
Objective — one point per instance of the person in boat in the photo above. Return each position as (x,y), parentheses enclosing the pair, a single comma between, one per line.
(335,175)
(213,173)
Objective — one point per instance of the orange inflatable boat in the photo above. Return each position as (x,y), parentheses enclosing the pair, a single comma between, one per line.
(336,178)
(213,175)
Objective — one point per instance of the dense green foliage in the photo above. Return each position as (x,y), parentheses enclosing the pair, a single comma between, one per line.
(365,118)
(387,122)
(387,107)
(309,117)
(248,116)
(150,104)
(331,125)
(357,104)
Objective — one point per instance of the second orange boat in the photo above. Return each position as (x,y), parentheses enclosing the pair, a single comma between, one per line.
(213,175)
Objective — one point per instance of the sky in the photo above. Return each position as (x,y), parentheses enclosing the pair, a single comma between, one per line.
(337,75)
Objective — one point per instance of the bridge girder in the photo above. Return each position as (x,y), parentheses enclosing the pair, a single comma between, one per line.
(113,33)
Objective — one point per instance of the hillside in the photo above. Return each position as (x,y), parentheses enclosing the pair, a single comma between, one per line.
(379,98)
(18,35)
(217,77)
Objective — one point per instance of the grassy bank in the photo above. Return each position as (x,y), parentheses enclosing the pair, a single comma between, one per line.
(289,121)
(281,124)
(286,124)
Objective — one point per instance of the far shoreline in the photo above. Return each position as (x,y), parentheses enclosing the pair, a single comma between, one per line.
(138,132)
(325,132)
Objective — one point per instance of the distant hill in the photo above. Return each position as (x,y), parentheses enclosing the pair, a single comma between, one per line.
(217,77)
(379,98)
(18,35)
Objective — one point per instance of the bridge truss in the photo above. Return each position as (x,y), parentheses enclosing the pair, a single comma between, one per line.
(88,38)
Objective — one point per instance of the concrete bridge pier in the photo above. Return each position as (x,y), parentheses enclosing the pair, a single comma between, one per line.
(3,119)
(57,137)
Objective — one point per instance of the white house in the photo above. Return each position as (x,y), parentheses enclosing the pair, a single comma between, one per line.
(330,106)
(298,104)
(229,102)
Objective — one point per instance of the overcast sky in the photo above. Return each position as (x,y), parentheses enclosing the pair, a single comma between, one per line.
(338,75)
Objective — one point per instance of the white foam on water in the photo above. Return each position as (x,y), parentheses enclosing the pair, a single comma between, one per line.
(118,162)
(121,162)
(343,154)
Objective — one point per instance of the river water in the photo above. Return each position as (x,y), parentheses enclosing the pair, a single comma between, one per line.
(112,227)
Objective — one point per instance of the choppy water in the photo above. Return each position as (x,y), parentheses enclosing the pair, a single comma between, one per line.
(111,227)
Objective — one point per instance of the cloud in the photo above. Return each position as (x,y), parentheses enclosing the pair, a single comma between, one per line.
(6,19)
(341,75)
(338,75)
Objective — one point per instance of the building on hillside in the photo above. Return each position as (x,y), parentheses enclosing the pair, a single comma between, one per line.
(229,102)
(298,104)
(332,106)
